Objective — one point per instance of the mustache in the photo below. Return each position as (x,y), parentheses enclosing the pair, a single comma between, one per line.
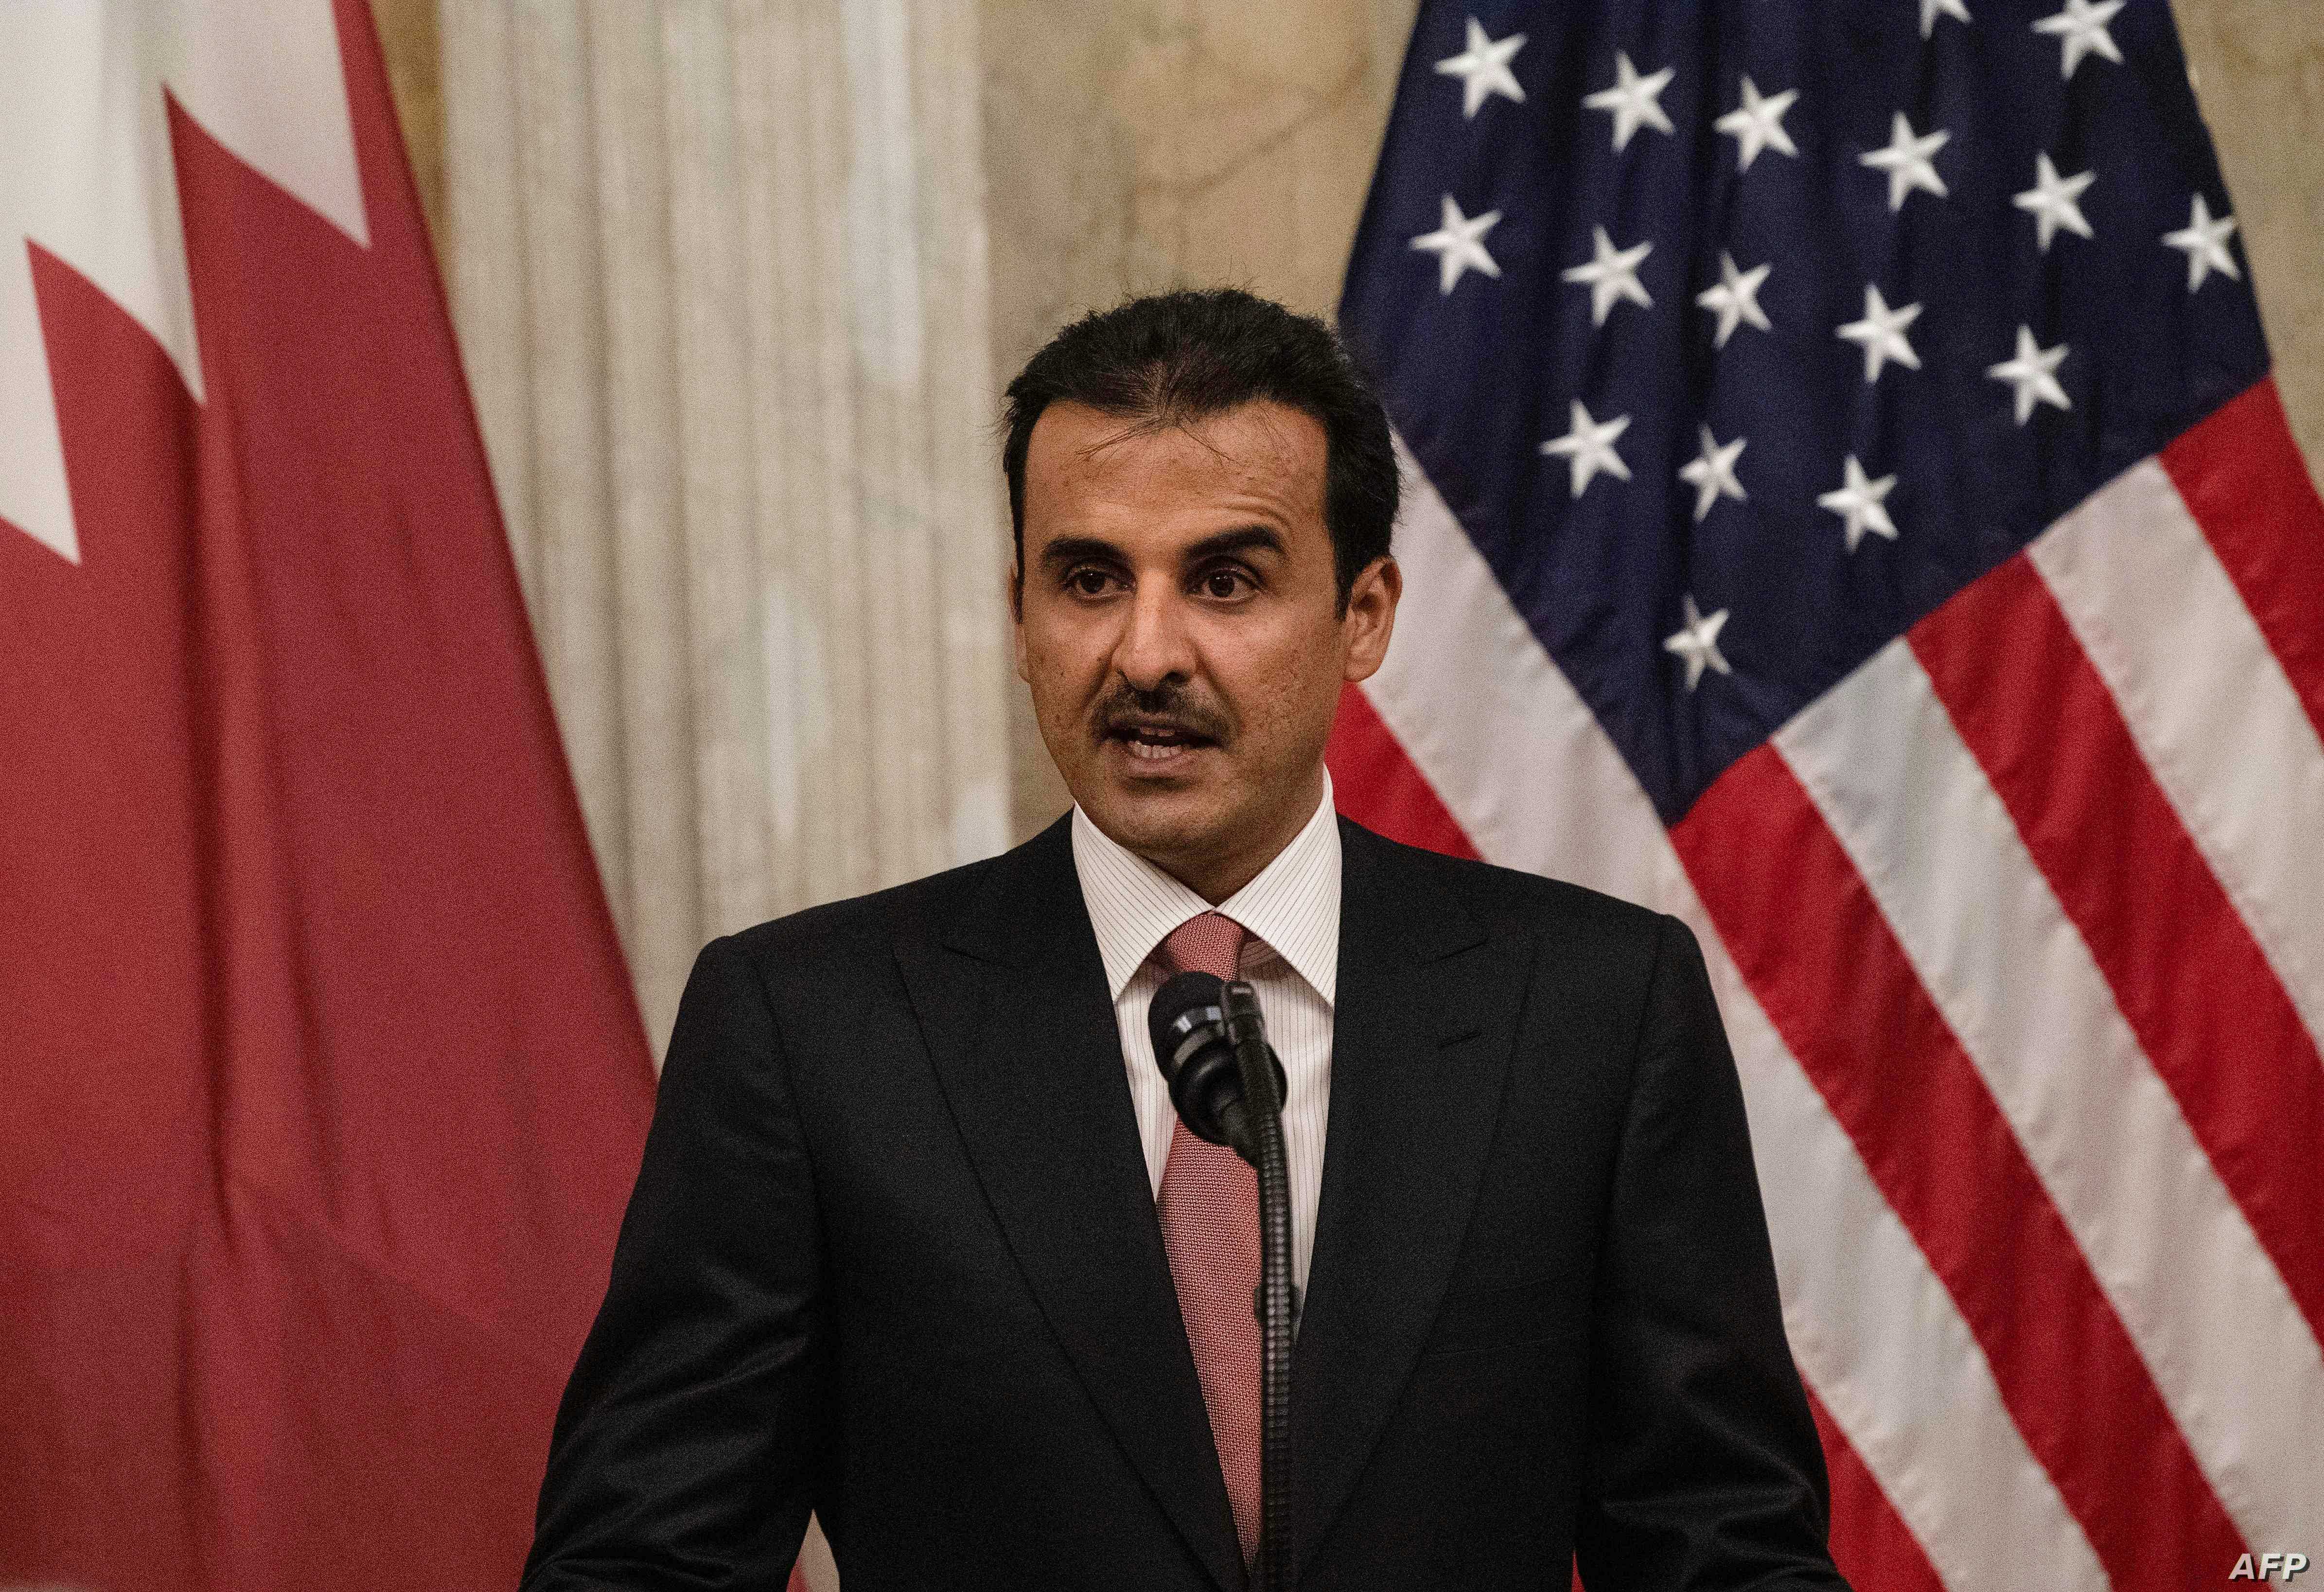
(1169,705)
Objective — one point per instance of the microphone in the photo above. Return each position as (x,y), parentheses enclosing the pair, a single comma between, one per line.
(1195,1035)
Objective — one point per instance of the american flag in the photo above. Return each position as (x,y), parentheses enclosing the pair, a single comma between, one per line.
(1848,508)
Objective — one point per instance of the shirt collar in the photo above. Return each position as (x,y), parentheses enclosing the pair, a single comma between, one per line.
(1293,904)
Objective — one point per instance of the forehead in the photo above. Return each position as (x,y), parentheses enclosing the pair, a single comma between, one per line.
(1086,471)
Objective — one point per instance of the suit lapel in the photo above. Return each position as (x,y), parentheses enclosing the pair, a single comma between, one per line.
(1421,1033)
(1015,1016)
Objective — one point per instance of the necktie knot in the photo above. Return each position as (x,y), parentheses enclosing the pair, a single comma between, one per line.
(1209,942)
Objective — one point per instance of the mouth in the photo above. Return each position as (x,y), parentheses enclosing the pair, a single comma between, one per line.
(1157,745)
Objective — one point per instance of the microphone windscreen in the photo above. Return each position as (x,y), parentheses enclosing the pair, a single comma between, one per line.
(1187,1003)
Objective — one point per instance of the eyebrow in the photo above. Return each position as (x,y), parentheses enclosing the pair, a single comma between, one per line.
(1074,549)
(1242,539)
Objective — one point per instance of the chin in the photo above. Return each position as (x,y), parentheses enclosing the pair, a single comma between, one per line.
(1156,823)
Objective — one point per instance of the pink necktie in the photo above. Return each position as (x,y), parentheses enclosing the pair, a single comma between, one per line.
(1210,1228)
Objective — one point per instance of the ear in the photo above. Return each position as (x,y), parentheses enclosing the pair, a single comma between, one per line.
(1370,618)
(1015,580)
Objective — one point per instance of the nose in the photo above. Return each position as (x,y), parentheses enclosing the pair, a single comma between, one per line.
(1155,645)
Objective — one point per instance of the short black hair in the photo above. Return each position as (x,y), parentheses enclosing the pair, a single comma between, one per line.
(1166,359)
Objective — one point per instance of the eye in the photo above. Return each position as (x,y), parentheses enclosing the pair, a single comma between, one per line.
(1088,580)
(1226,583)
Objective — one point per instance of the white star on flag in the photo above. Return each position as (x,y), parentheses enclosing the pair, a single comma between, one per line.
(1697,641)
(1757,124)
(2033,374)
(1612,274)
(2053,201)
(1736,298)
(1858,502)
(91,179)
(2205,243)
(1932,9)
(1459,244)
(1483,69)
(1632,100)
(1881,334)
(1909,161)
(1588,446)
(1712,476)
(2082,29)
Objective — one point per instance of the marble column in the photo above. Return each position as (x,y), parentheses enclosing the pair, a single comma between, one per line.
(719,273)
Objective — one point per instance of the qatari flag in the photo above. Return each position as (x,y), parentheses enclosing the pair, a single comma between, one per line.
(320,1082)
(1849,510)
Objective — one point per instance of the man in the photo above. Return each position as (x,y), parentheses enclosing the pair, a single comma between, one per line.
(918,1245)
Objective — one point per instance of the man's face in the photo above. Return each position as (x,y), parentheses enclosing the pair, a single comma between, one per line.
(1179,623)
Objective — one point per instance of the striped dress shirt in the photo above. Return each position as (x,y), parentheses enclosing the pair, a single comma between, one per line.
(1292,911)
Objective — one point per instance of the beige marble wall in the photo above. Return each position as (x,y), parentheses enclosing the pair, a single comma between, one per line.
(2258,68)
(1141,143)
(415,76)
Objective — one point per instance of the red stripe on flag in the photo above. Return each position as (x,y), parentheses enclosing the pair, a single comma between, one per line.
(2241,475)
(1870,1542)
(1374,782)
(1812,943)
(2193,983)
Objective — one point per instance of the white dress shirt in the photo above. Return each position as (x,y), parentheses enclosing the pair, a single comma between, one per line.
(1292,911)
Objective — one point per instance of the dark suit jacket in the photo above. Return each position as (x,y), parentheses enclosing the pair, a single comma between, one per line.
(893,1256)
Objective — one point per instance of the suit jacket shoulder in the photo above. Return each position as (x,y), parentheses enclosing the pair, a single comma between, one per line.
(1487,887)
(917,909)
(847,935)
(1592,933)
